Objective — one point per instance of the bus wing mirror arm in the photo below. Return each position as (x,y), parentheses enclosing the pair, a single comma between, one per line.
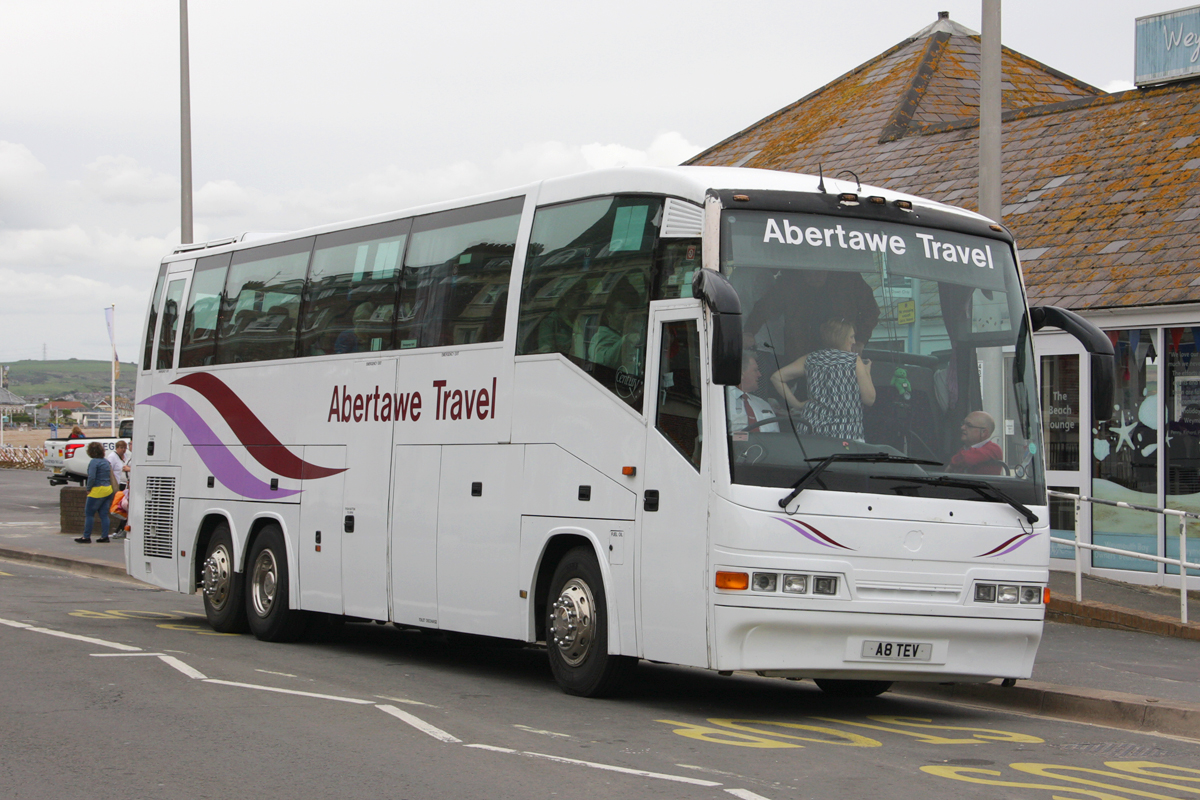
(722,300)
(1098,345)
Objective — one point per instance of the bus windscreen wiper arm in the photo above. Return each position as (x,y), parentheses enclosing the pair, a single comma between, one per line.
(983,488)
(848,458)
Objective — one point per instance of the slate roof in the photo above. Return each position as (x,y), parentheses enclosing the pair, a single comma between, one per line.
(7,398)
(1102,191)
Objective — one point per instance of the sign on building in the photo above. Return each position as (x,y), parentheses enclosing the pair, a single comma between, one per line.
(1167,46)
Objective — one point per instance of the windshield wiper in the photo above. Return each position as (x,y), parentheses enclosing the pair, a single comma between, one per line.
(982,488)
(848,458)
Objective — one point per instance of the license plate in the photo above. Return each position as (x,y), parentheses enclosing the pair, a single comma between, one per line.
(898,651)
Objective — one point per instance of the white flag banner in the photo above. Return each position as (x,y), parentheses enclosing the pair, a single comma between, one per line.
(110,314)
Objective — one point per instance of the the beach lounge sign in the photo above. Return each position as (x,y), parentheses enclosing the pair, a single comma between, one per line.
(1168,46)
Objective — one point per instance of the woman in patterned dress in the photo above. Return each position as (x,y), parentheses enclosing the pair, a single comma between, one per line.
(839,385)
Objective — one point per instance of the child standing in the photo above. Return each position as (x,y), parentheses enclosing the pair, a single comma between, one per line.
(839,385)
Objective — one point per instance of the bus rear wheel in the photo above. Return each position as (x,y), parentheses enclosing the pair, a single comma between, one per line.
(577,629)
(267,610)
(224,603)
(852,689)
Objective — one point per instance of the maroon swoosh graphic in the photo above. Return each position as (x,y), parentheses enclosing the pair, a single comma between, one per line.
(826,538)
(260,443)
(1001,547)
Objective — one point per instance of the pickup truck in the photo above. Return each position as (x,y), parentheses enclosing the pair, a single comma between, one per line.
(67,459)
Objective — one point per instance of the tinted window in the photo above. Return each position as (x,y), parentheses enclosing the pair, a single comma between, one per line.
(170,323)
(262,302)
(587,286)
(152,322)
(199,345)
(456,274)
(351,295)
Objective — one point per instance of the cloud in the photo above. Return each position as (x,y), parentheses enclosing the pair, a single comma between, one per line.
(99,240)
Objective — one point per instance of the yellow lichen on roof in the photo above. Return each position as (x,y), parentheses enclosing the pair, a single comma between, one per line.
(1100,190)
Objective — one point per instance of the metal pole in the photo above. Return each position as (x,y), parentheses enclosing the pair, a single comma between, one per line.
(1183,596)
(989,112)
(185,129)
(112,373)
(1078,567)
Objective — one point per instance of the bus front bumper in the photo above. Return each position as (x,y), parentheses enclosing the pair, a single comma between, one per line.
(866,646)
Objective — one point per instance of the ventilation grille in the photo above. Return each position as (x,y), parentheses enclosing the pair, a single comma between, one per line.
(908,592)
(158,517)
(682,220)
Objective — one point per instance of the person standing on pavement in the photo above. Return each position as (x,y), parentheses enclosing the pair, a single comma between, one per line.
(100,482)
(118,458)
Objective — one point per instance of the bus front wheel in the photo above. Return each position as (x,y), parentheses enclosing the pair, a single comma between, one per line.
(852,689)
(577,629)
(267,610)
(224,605)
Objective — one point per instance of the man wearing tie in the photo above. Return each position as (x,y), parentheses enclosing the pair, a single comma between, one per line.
(746,409)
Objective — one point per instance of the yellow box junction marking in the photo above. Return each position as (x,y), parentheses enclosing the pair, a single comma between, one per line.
(751,733)
(1142,773)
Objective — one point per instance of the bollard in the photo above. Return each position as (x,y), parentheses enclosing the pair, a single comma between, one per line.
(70,509)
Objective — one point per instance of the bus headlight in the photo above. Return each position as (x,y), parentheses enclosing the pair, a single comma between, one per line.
(824,584)
(765,581)
(795,584)
(985,593)
(1007,594)
(1031,595)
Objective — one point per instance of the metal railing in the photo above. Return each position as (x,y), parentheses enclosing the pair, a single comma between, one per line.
(1180,562)
(21,458)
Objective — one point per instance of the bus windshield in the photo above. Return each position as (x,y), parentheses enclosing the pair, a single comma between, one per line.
(867,337)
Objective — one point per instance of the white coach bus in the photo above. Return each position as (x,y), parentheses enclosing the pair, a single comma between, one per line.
(524,415)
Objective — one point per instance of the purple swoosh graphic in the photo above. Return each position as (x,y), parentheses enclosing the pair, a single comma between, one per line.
(812,534)
(212,451)
(1020,539)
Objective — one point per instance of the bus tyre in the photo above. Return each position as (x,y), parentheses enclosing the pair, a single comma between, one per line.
(577,629)
(222,587)
(267,610)
(852,689)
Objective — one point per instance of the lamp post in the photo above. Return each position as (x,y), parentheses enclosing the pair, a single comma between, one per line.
(185,129)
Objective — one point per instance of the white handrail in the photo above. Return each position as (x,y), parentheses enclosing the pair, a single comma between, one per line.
(1180,562)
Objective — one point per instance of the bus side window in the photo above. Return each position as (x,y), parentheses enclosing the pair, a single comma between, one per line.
(152,323)
(586,288)
(456,272)
(350,298)
(199,345)
(678,417)
(170,323)
(261,302)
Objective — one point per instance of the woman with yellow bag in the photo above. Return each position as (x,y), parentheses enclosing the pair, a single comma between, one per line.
(100,482)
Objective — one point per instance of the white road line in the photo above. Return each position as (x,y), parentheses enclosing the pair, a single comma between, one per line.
(122,655)
(419,724)
(528,729)
(191,672)
(269,672)
(354,700)
(745,794)
(65,635)
(609,767)
(406,702)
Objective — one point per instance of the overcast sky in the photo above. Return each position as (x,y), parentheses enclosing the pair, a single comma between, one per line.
(309,112)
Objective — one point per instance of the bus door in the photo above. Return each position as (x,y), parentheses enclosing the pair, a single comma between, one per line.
(154,512)
(163,355)
(674,531)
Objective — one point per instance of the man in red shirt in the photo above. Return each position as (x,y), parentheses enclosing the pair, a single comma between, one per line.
(980,455)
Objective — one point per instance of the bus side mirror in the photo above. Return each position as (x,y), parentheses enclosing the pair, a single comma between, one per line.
(1098,345)
(726,308)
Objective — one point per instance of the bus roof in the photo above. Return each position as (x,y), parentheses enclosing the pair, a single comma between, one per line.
(688,183)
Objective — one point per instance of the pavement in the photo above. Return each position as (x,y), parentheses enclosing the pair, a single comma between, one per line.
(1120,657)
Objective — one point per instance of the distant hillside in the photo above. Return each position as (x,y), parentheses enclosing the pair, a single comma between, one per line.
(58,378)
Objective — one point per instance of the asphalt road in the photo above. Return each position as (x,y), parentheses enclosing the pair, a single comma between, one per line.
(115,689)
